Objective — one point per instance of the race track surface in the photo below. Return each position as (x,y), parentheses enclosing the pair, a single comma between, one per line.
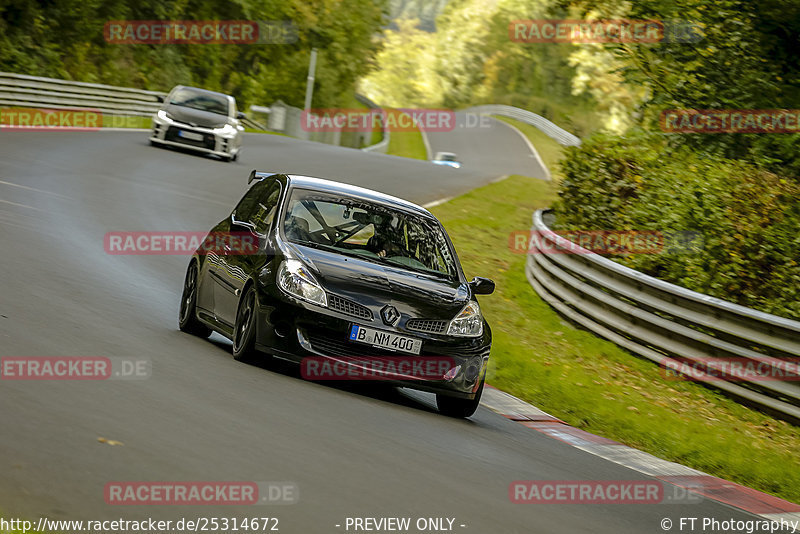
(203,416)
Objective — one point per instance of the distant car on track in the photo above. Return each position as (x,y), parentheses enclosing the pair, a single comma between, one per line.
(342,273)
(199,120)
(446,158)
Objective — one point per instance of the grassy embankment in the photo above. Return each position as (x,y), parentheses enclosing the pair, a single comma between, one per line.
(591,383)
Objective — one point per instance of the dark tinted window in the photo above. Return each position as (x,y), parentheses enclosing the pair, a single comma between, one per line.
(258,206)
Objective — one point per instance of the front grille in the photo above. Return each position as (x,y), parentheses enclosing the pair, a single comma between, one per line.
(348,307)
(208,139)
(431,326)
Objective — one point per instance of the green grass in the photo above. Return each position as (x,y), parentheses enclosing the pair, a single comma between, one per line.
(349,138)
(408,144)
(591,383)
(254,130)
(124,121)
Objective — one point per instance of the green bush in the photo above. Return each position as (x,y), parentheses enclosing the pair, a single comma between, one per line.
(747,219)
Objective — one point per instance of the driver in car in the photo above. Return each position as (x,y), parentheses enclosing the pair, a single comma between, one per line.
(386,238)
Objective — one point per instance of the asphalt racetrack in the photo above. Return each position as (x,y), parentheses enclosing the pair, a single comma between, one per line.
(352,452)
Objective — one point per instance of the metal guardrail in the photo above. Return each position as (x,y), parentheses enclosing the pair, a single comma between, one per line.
(553,131)
(665,323)
(21,90)
(383,145)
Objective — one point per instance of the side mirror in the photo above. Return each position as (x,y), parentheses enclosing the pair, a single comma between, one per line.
(482,286)
(160,98)
(240,115)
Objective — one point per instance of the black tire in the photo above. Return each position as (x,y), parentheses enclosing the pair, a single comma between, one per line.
(244,331)
(187,316)
(460,408)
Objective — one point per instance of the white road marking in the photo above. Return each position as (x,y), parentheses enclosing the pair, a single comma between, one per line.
(34,189)
(20,205)
(530,146)
(436,202)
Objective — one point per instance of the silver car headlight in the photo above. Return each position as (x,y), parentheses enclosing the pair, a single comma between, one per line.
(162,115)
(229,130)
(468,322)
(295,279)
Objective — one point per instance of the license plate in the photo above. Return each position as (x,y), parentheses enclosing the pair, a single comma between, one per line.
(385,340)
(190,135)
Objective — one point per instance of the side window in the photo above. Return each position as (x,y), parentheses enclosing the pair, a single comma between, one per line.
(259,204)
(265,209)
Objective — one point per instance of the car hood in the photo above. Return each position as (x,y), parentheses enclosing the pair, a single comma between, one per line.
(415,295)
(195,117)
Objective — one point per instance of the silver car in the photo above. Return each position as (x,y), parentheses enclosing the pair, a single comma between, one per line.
(199,120)
(446,158)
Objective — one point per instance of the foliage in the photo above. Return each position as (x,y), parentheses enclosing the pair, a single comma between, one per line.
(64,39)
(748,219)
(744,57)
(471,60)
(403,77)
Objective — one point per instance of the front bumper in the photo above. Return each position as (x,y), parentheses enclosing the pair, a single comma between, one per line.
(295,330)
(166,131)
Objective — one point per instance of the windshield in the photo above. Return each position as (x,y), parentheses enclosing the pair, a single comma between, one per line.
(369,231)
(202,101)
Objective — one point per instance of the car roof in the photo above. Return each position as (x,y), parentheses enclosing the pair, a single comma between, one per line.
(362,193)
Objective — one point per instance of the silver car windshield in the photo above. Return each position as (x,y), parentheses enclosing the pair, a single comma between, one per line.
(202,101)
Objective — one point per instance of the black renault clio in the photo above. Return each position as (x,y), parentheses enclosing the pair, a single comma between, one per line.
(344,275)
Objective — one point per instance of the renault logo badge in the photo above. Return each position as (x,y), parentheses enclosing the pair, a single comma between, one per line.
(390,315)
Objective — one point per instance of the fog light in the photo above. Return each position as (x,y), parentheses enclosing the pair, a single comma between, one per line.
(451,374)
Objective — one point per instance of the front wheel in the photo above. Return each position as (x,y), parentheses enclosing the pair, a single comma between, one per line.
(244,332)
(460,408)
(187,318)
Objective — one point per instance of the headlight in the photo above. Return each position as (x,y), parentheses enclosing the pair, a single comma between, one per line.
(468,322)
(295,279)
(162,115)
(228,129)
